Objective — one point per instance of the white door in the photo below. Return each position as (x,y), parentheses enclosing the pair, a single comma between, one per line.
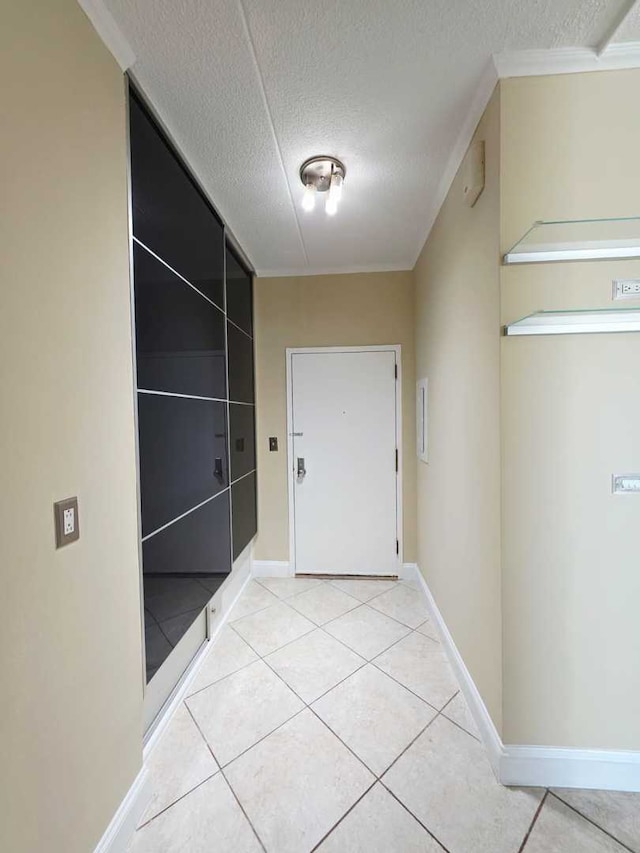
(343,421)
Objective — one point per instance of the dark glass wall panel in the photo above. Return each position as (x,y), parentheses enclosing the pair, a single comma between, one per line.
(244,514)
(197,544)
(240,355)
(241,440)
(183,455)
(170,214)
(179,335)
(239,294)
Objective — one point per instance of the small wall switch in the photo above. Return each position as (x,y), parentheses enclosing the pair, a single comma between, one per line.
(626,484)
(273,443)
(66,521)
(626,288)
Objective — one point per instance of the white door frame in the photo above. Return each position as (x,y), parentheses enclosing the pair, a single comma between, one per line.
(290,352)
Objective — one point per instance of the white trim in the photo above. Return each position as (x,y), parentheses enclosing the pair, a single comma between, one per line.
(112,36)
(615,26)
(484,91)
(289,353)
(555,767)
(566,60)
(549,767)
(123,824)
(408,572)
(271,569)
(224,599)
(478,709)
(401,266)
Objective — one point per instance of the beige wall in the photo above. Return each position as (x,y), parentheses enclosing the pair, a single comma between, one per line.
(70,644)
(332,310)
(571,418)
(458,350)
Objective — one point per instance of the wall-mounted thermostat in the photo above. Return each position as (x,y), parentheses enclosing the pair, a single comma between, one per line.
(422,410)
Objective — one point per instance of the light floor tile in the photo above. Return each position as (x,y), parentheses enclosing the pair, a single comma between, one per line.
(364,590)
(429,630)
(366,631)
(379,824)
(458,711)
(207,819)
(559,829)
(297,783)
(286,587)
(268,630)
(322,603)
(254,597)
(402,603)
(445,780)
(179,762)
(421,665)
(374,716)
(314,664)
(228,653)
(617,812)
(237,711)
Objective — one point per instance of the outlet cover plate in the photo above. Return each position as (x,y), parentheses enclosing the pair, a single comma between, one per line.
(626,288)
(626,484)
(66,521)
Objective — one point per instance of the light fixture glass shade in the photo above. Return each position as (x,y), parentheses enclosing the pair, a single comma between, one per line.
(335,187)
(331,207)
(309,197)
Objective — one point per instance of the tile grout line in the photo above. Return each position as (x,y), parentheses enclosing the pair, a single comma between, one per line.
(589,820)
(235,796)
(348,811)
(377,777)
(533,822)
(177,800)
(408,810)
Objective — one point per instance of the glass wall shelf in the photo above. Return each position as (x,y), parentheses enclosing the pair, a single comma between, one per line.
(577,322)
(577,240)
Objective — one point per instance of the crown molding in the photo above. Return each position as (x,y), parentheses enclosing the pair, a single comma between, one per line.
(484,91)
(567,60)
(307,271)
(105,25)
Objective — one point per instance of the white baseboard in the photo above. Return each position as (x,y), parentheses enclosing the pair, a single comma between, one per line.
(123,824)
(272,569)
(477,708)
(548,767)
(557,767)
(408,572)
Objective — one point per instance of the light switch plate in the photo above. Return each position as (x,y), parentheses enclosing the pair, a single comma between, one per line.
(626,484)
(66,521)
(273,443)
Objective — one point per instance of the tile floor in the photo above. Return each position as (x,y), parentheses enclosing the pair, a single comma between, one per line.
(326,717)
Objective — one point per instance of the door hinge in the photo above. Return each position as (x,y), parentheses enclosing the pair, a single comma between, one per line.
(396,460)
(395,368)
(397,547)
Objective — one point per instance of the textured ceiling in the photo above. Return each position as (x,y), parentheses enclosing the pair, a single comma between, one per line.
(251,88)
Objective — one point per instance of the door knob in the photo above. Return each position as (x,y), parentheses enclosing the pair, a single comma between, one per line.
(301,471)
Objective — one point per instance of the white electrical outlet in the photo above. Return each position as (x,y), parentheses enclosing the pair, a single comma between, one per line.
(66,521)
(626,288)
(626,484)
(69,521)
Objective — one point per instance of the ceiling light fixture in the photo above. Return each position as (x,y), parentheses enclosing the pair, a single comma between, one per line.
(320,175)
